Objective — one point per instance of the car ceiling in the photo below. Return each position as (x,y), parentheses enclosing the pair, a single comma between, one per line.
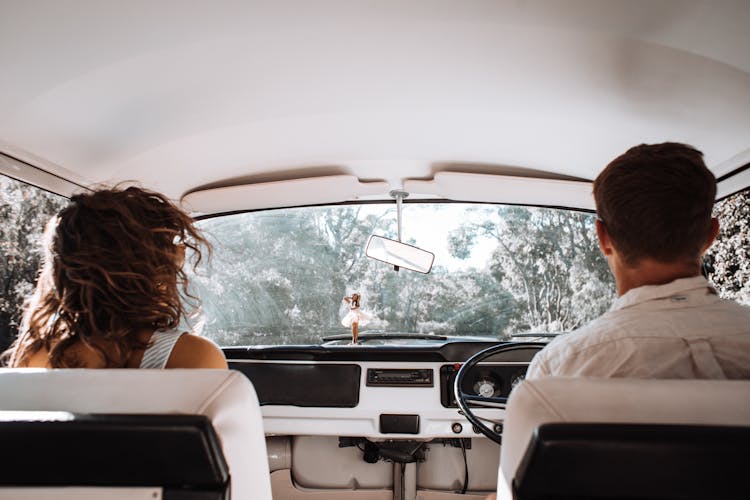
(181,96)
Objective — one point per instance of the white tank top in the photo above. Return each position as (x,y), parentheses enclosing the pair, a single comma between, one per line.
(160,348)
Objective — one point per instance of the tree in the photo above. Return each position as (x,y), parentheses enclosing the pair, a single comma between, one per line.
(548,260)
(728,260)
(24,211)
(280,277)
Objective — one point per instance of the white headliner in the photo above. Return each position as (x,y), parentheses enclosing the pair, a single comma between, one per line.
(177,95)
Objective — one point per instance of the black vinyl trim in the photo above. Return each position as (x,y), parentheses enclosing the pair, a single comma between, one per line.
(734,172)
(305,385)
(180,452)
(566,461)
(391,423)
(441,353)
(731,174)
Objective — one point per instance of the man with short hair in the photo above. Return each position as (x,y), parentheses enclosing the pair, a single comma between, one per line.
(654,223)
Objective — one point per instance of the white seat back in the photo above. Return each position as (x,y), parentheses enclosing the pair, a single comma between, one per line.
(568,399)
(226,397)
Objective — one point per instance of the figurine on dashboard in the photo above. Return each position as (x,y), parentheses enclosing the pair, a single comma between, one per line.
(355,316)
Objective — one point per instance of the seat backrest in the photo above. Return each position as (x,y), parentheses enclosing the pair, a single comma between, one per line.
(44,453)
(713,404)
(225,397)
(634,461)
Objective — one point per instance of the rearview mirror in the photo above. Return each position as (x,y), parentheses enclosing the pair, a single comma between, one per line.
(399,254)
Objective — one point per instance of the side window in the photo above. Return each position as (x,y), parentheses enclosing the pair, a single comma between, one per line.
(24,211)
(729,258)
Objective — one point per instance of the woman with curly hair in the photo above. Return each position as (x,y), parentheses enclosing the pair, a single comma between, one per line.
(112,289)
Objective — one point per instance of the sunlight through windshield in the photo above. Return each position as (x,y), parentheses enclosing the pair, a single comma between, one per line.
(280,276)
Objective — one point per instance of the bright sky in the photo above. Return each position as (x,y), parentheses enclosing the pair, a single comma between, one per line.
(429,225)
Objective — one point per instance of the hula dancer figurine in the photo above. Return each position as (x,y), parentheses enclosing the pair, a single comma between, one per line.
(355,316)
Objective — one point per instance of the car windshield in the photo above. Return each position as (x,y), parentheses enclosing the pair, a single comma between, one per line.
(278,277)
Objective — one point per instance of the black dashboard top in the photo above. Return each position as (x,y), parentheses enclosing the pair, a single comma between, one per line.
(442,352)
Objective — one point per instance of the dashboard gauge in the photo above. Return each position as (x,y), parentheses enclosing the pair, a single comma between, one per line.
(485,387)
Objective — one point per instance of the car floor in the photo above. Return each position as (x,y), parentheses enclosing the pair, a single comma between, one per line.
(284,489)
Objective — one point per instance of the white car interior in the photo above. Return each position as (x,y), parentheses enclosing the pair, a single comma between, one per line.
(187,98)
(236,106)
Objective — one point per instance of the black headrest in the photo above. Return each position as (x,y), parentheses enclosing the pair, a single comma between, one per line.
(634,461)
(54,449)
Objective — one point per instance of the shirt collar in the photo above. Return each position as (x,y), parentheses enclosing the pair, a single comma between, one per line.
(653,292)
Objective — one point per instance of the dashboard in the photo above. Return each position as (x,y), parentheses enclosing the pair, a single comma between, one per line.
(378,392)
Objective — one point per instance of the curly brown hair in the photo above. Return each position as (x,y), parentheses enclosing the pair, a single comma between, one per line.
(112,267)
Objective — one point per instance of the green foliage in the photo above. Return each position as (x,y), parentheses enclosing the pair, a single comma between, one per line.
(279,277)
(24,211)
(729,257)
(547,260)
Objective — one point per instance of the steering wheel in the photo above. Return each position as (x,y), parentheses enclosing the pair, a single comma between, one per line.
(463,398)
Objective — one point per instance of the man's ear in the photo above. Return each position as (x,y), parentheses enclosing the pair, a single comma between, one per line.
(605,242)
(713,233)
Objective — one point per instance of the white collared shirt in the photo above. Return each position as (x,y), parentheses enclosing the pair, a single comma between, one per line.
(678,330)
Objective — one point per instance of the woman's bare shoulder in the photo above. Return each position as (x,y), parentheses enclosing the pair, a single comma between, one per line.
(192,351)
